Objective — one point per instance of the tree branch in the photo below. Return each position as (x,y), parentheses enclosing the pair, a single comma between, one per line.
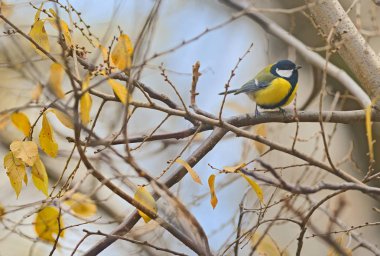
(355,51)
(131,220)
(343,117)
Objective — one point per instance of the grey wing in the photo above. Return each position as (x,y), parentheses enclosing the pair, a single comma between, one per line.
(261,81)
(253,86)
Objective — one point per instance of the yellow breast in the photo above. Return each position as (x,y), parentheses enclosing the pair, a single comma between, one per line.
(274,95)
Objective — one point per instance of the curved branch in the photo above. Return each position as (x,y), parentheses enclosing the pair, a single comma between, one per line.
(300,189)
(131,220)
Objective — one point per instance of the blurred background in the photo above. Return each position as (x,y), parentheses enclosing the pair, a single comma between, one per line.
(218,52)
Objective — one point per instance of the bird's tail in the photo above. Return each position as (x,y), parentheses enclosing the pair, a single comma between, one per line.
(228,92)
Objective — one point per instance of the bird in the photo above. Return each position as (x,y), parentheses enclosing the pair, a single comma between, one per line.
(275,86)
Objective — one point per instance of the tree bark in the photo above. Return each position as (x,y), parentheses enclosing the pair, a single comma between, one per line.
(330,16)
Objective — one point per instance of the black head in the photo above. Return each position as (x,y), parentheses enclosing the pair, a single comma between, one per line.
(287,70)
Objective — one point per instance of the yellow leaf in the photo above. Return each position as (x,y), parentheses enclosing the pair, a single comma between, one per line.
(2,211)
(40,177)
(81,205)
(143,196)
(53,12)
(4,120)
(234,169)
(55,80)
(255,187)
(211,184)
(368,125)
(38,13)
(15,171)
(267,246)
(85,102)
(39,35)
(26,179)
(262,131)
(6,9)
(120,91)
(104,52)
(66,33)
(64,27)
(190,170)
(26,151)
(47,141)
(21,121)
(36,92)
(63,118)
(48,222)
(340,241)
(122,53)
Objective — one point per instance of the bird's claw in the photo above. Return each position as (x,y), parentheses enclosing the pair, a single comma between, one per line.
(283,111)
(257,113)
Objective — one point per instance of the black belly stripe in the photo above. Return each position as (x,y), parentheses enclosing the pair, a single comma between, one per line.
(284,100)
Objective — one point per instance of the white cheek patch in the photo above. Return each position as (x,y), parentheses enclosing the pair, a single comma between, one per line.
(284,72)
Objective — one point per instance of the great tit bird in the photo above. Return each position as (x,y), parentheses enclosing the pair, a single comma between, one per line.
(273,87)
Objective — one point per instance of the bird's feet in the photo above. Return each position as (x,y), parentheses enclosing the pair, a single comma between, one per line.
(257,112)
(283,111)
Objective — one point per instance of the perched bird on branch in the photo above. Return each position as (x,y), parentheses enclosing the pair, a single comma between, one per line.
(273,87)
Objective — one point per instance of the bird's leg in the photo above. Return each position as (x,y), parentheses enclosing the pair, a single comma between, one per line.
(283,111)
(257,113)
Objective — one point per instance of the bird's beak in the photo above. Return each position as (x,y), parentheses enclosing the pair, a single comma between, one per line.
(298,67)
